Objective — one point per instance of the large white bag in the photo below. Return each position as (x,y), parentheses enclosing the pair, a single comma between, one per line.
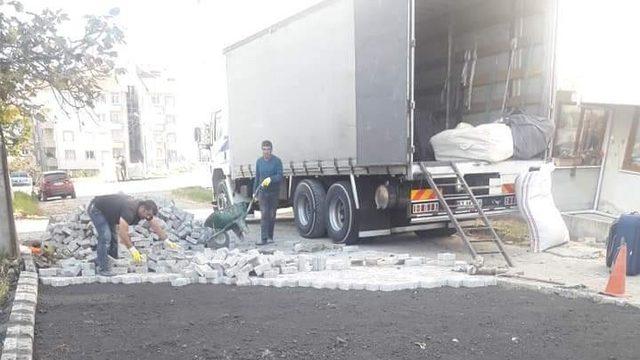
(546,226)
(487,142)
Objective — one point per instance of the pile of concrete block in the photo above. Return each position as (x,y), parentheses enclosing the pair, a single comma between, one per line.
(73,236)
(182,228)
(224,266)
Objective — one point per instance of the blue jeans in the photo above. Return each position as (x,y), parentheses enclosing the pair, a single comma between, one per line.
(107,238)
(268,206)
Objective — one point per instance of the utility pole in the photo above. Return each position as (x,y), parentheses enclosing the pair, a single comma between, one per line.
(8,238)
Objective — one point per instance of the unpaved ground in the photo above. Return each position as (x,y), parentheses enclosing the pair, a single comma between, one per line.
(226,322)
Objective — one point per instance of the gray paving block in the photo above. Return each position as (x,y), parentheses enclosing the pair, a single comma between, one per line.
(414,261)
(180,281)
(431,283)
(48,272)
(472,282)
(58,282)
(372,286)
(454,282)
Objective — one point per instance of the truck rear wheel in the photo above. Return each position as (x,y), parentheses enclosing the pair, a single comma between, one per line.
(342,224)
(309,209)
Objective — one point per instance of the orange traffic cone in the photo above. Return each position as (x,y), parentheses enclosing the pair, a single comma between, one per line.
(616,284)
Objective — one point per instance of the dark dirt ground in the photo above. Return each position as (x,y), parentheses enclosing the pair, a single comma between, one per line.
(227,322)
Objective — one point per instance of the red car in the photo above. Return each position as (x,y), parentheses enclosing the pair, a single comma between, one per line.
(55,183)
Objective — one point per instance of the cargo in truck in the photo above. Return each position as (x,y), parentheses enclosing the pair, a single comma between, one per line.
(351,91)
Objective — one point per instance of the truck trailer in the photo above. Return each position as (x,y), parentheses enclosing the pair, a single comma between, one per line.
(350,91)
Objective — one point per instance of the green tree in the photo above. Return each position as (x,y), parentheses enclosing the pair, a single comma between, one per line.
(35,56)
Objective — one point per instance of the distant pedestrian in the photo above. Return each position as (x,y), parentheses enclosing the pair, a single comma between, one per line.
(122,168)
(106,212)
(269,177)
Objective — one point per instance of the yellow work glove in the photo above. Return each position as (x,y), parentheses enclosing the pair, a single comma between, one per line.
(171,245)
(266,182)
(135,254)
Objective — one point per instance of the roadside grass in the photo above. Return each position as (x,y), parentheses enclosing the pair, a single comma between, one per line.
(193,193)
(7,275)
(25,205)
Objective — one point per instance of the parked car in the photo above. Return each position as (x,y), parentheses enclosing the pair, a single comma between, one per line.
(21,181)
(55,183)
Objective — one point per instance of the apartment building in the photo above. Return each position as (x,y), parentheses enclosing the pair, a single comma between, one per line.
(134,117)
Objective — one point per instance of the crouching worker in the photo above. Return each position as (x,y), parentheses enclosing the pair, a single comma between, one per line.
(106,212)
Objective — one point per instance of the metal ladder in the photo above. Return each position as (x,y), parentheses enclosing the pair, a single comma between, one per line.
(476,207)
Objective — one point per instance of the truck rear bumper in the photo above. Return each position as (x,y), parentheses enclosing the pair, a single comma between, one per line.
(434,222)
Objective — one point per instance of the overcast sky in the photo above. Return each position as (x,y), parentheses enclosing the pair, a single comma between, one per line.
(186,37)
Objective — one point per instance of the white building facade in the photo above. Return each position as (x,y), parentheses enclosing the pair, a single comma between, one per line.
(134,117)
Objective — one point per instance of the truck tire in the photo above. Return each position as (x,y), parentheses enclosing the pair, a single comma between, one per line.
(309,209)
(342,224)
(434,233)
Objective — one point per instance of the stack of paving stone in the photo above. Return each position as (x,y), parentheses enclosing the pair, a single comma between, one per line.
(236,266)
(75,236)
(72,236)
(182,228)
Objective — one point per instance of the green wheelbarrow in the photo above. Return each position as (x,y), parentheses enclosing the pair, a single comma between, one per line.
(231,218)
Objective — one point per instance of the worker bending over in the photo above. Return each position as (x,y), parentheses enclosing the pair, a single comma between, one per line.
(106,212)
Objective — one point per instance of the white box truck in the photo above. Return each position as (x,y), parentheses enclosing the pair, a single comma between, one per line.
(350,91)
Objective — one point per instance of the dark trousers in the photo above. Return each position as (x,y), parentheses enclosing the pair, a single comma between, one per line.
(107,238)
(268,207)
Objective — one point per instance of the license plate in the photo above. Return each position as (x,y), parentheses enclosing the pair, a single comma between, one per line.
(58,183)
(424,208)
(466,204)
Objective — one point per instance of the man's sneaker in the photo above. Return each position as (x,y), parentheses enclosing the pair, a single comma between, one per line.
(270,241)
(105,273)
(260,243)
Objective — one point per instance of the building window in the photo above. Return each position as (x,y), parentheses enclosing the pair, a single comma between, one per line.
(115,98)
(89,155)
(50,152)
(115,117)
(170,119)
(117,135)
(67,136)
(169,101)
(102,117)
(70,155)
(172,155)
(117,152)
(632,154)
(155,99)
(48,135)
(579,135)
(171,138)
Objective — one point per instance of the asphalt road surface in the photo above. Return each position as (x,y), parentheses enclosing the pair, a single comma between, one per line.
(227,322)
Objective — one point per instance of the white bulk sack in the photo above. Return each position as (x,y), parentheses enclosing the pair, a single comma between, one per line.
(546,226)
(487,142)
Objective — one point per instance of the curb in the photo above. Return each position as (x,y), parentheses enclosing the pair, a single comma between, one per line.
(177,280)
(564,292)
(18,343)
